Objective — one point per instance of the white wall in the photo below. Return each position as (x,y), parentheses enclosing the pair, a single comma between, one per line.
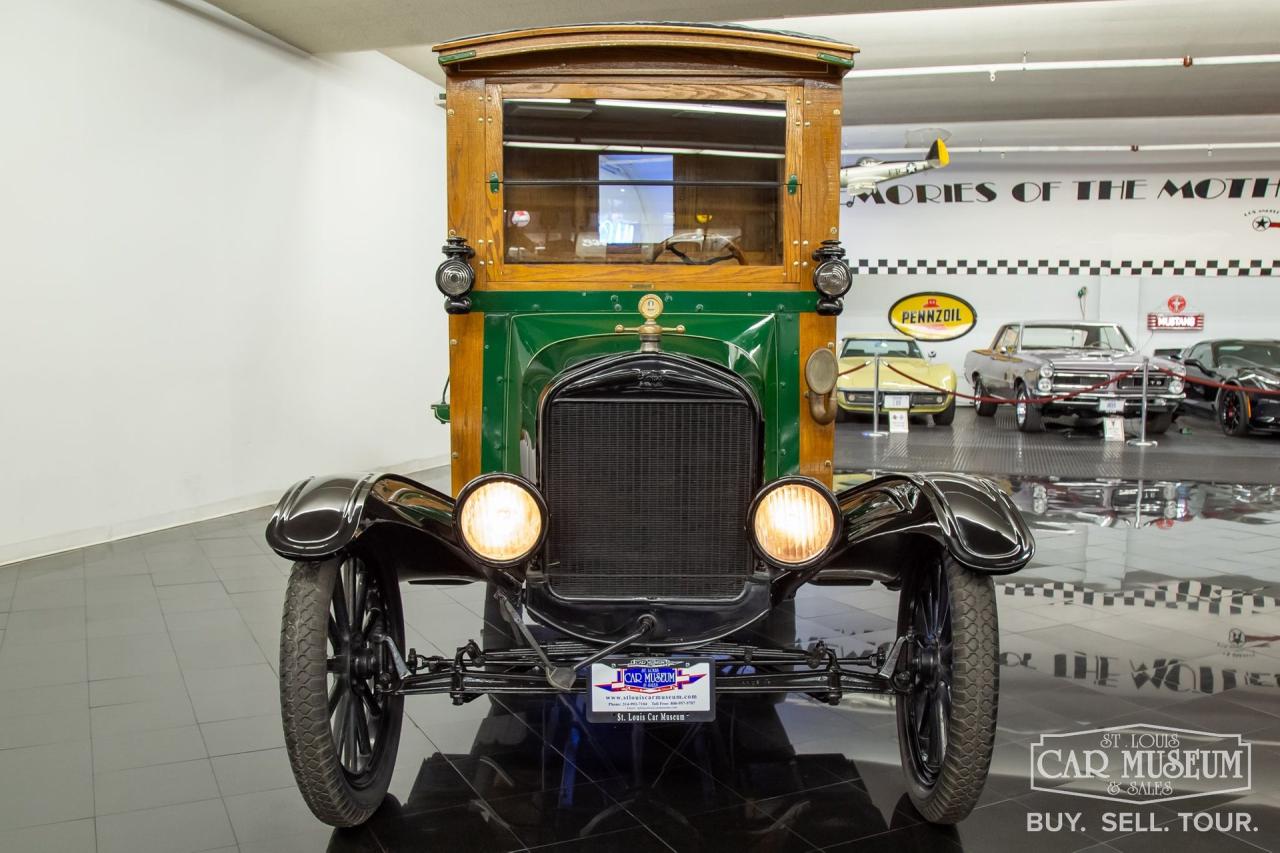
(216,274)
(1147,227)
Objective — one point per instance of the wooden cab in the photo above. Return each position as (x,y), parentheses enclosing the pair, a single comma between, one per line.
(590,165)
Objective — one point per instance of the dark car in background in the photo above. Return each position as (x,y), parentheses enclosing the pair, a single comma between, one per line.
(1243,365)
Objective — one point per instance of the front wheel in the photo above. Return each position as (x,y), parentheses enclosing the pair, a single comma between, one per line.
(1028,415)
(1233,414)
(947,716)
(985,409)
(340,732)
(1158,424)
(947,415)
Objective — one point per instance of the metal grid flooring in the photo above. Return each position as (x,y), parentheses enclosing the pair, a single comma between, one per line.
(1193,449)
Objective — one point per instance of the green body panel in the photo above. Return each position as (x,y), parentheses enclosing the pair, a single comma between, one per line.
(530,337)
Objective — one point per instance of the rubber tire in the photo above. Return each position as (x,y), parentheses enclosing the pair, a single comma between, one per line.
(984,410)
(304,699)
(975,692)
(1242,428)
(1034,422)
(947,415)
(1159,423)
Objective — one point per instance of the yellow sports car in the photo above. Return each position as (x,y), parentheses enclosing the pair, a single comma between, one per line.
(855,389)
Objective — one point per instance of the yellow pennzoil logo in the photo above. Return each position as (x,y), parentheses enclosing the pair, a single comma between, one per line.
(932,316)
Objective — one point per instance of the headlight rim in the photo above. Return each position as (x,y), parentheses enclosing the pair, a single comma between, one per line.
(832,263)
(795,479)
(500,476)
(1046,370)
(458,263)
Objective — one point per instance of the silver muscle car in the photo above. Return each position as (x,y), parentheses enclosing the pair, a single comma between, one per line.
(1030,361)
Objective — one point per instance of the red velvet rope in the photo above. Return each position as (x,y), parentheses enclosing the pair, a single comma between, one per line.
(1035,401)
(853,369)
(1212,384)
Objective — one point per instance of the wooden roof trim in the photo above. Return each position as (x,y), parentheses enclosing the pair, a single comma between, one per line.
(491,45)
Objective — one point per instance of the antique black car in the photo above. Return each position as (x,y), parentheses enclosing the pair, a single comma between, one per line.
(1245,366)
(642,275)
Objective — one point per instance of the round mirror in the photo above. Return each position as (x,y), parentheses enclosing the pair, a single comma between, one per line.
(820,371)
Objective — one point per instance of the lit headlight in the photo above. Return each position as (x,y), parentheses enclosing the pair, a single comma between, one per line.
(794,522)
(832,278)
(501,518)
(1176,385)
(1046,370)
(1045,384)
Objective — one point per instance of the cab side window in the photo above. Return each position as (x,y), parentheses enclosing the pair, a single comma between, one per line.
(1009,340)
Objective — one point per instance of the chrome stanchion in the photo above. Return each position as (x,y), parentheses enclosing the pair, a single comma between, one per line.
(1142,440)
(875,403)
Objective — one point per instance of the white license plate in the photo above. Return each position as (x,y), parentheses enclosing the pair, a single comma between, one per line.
(652,690)
(1111,407)
(897,401)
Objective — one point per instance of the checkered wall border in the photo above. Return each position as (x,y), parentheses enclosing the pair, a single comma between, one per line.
(1183,595)
(944,266)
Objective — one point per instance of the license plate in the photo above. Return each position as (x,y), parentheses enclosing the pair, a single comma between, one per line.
(1111,407)
(897,401)
(652,690)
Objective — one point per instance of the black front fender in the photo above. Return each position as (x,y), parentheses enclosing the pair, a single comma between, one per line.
(888,520)
(408,525)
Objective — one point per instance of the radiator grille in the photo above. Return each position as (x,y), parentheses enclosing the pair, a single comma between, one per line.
(648,498)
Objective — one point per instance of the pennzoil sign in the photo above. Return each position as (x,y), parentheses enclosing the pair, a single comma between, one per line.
(932,316)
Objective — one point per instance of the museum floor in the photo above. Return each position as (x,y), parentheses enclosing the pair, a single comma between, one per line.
(139,709)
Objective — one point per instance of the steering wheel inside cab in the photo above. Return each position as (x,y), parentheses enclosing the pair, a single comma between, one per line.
(698,249)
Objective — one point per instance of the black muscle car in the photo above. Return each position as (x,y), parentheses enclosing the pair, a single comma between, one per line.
(1244,365)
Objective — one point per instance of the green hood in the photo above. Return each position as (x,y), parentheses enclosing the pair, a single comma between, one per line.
(531,338)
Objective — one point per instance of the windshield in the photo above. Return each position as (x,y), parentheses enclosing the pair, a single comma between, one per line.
(615,181)
(884,347)
(1073,336)
(1250,352)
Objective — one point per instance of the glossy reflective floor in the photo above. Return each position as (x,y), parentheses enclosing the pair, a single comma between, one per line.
(1193,449)
(138,702)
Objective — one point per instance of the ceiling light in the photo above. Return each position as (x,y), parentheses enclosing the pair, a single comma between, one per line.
(679,106)
(557,146)
(993,68)
(641,149)
(1061,149)
(537,100)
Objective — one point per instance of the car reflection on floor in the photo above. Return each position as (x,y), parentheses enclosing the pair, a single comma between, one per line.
(538,774)
(1047,501)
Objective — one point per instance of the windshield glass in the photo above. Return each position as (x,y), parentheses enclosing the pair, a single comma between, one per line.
(1250,352)
(884,347)
(615,181)
(1072,336)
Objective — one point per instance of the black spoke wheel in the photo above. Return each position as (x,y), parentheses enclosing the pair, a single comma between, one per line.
(947,714)
(1232,414)
(341,732)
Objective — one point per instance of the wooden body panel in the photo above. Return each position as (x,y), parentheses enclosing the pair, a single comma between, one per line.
(688,39)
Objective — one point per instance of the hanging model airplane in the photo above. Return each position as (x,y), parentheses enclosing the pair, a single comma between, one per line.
(863,176)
